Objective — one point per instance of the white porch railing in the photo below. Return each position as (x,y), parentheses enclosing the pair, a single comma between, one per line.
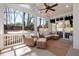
(12,39)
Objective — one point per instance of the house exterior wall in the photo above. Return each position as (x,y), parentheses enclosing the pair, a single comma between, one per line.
(1,25)
(76,26)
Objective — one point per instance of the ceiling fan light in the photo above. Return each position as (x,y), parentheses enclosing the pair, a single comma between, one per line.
(67,6)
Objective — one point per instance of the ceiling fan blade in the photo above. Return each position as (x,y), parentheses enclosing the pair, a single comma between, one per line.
(46,11)
(52,9)
(45,5)
(53,5)
(41,9)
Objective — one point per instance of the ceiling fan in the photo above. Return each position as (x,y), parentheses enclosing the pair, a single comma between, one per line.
(47,7)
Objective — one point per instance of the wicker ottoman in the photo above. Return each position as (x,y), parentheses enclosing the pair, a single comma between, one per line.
(41,43)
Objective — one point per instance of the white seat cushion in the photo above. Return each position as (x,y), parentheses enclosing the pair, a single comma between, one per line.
(41,40)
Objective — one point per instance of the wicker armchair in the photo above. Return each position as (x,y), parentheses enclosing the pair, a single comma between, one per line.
(29,41)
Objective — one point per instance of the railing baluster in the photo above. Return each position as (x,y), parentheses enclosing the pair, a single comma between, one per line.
(7,39)
(12,39)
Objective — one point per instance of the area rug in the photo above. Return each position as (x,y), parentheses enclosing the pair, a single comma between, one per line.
(59,47)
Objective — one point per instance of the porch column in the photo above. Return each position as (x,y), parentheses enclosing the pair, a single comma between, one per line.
(35,25)
(49,26)
(55,26)
(23,25)
(1,26)
(63,28)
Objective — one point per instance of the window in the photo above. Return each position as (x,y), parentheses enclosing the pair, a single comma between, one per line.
(16,20)
(29,22)
(38,21)
(42,24)
(13,19)
(53,27)
(60,25)
(68,27)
